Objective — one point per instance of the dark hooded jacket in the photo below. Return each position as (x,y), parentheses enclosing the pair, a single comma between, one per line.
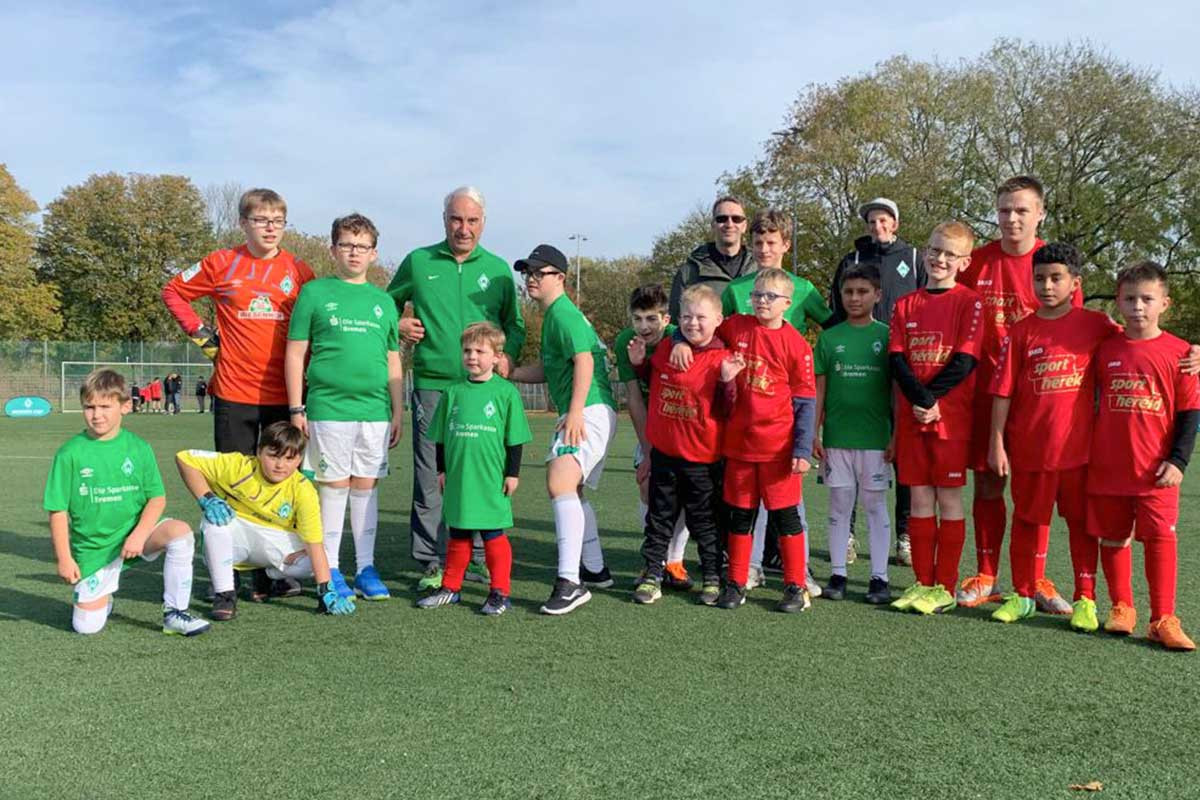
(901,270)
(710,266)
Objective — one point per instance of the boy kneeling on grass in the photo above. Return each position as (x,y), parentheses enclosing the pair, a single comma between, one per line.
(259,511)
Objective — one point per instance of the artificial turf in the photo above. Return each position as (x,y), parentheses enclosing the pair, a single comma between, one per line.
(671,700)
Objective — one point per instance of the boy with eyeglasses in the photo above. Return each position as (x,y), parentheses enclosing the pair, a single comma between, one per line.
(935,340)
(355,406)
(574,365)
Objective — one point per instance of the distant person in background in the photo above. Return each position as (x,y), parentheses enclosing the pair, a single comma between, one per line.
(718,262)
(201,393)
(173,386)
(135,394)
(154,388)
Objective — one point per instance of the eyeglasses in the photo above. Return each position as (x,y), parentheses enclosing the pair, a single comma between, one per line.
(936,255)
(767,297)
(536,277)
(348,247)
(267,222)
(736,219)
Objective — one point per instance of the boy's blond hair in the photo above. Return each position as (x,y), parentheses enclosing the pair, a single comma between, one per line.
(254,199)
(484,332)
(772,220)
(700,293)
(774,277)
(953,229)
(104,383)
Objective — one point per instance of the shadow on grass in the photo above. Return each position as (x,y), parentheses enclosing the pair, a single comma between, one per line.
(18,606)
(35,548)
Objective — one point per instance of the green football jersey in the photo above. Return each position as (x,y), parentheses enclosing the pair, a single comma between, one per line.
(858,395)
(565,332)
(350,328)
(103,486)
(625,369)
(475,422)
(807,304)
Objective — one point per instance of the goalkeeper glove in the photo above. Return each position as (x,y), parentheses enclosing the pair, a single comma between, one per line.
(207,340)
(330,602)
(216,510)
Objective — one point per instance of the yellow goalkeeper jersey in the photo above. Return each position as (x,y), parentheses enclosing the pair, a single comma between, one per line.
(290,505)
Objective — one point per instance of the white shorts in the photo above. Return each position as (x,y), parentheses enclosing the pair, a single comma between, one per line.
(600,425)
(257,545)
(105,580)
(865,469)
(340,450)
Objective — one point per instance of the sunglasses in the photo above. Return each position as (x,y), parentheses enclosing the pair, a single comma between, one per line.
(736,219)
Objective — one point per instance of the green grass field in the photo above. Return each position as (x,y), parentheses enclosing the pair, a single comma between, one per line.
(616,700)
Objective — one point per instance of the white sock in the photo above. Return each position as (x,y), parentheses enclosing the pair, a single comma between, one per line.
(807,539)
(593,556)
(568,529)
(643,514)
(879,528)
(177,572)
(679,540)
(364,521)
(333,519)
(90,620)
(218,554)
(841,503)
(758,537)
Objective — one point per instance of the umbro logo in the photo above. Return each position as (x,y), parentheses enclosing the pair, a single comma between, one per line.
(1114,363)
(1037,351)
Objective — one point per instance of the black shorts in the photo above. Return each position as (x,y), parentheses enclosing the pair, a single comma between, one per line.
(236,425)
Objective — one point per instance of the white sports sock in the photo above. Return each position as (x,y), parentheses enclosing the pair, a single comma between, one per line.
(679,540)
(218,554)
(333,519)
(643,514)
(800,510)
(568,529)
(177,572)
(364,521)
(90,620)
(593,555)
(879,528)
(758,537)
(841,504)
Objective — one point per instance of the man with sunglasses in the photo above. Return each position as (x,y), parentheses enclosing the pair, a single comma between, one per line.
(451,285)
(718,262)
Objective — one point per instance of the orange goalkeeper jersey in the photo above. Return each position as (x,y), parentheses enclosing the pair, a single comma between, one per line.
(254,299)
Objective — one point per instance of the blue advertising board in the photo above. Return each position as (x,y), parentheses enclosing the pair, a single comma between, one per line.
(27,406)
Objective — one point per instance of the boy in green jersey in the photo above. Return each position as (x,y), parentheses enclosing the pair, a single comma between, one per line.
(650,322)
(479,429)
(575,366)
(854,406)
(105,497)
(355,395)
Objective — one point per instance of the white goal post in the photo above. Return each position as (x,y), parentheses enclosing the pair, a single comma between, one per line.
(139,373)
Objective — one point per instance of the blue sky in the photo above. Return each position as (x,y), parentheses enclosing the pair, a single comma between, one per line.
(611,119)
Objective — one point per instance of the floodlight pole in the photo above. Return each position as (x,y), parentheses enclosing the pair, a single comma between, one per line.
(579,239)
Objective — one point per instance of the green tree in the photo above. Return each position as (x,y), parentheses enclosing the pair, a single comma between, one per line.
(28,309)
(111,243)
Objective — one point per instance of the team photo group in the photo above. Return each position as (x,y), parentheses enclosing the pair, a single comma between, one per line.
(930,363)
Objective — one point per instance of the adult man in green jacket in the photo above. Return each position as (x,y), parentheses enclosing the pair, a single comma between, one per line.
(450,284)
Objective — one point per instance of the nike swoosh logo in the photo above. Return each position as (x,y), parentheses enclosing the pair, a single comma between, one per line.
(432,277)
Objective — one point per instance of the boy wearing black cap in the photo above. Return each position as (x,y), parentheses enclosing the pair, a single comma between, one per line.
(574,365)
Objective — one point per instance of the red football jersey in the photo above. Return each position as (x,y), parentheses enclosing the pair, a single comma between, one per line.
(1045,367)
(680,421)
(254,299)
(779,366)
(1141,389)
(927,328)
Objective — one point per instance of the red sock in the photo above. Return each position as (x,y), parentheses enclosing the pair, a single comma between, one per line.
(990,517)
(1118,573)
(458,555)
(739,557)
(951,536)
(922,532)
(1043,548)
(1161,564)
(791,549)
(1085,554)
(498,555)
(1022,553)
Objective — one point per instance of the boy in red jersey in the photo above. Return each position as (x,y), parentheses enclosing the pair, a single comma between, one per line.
(768,439)
(936,336)
(1001,272)
(684,431)
(1141,443)
(253,287)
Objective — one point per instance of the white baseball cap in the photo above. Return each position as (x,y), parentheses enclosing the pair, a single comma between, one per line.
(880,204)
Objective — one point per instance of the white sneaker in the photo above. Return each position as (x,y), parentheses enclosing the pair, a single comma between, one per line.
(851,552)
(181,623)
(903,552)
(810,583)
(755,578)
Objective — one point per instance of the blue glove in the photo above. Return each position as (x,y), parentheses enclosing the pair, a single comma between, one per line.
(216,510)
(330,602)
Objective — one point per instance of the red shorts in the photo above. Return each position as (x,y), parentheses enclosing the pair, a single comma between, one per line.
(1148,516)
(1035,494)
(926,461)
(772,482)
